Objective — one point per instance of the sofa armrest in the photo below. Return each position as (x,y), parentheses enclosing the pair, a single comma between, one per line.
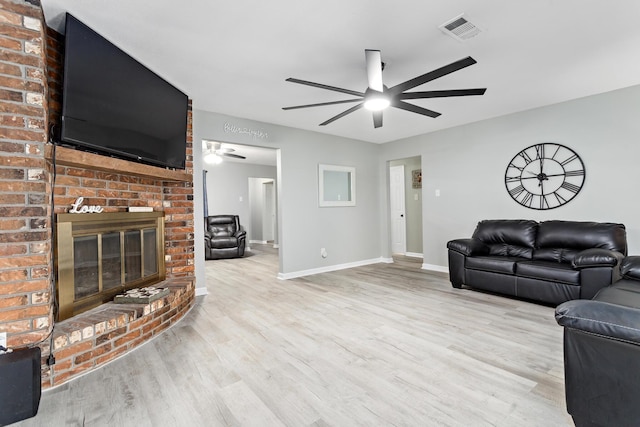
(601,318)
(468,247)
(596,257)
(630,267)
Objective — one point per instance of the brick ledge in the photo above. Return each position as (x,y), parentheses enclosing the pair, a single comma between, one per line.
(95,337)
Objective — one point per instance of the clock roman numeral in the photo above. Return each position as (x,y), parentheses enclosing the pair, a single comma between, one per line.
(512,178)
(543,201)
(516,191)
(540,151)
(561,200)
(527,199)
(525,156)
(569,160)
(575,173)
(571,187)
(511,165)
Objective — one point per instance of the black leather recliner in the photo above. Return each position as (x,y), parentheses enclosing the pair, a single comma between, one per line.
(224,237)
(602,353)
(550,261)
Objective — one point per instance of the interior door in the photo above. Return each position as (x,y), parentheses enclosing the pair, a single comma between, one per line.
(269,218)
(397,210)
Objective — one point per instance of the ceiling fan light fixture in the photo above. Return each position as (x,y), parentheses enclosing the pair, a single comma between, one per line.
(212,158)
(377,102)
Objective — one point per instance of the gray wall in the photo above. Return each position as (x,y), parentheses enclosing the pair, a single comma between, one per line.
(467,164)
(413,204)
(228,189)
(348,233)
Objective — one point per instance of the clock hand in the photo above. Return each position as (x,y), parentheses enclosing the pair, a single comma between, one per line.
(546,178)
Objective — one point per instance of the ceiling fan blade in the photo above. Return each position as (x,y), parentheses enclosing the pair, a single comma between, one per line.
(441,93)
(236,156)
(415,109)
(327,87)
(344,113)
(377,119)
(374,69)
(432,75)
(322,104)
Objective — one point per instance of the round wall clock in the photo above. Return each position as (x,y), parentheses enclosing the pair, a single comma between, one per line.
(544,176)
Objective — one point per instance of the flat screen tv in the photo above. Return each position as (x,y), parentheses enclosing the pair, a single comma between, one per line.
(114,105)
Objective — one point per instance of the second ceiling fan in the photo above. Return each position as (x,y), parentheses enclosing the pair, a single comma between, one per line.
(378,96)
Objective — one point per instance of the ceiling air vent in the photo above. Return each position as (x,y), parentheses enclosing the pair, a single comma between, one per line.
(460,28)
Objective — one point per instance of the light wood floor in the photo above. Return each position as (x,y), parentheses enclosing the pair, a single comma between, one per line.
(381,345)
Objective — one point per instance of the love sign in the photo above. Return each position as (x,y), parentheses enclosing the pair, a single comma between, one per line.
(77,207)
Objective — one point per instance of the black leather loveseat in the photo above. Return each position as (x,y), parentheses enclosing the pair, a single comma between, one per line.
(602,353)
(550,261)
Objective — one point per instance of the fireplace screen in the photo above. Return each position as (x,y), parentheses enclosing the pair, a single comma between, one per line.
(101,255)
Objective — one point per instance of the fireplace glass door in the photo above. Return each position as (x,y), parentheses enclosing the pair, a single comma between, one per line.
(101,255)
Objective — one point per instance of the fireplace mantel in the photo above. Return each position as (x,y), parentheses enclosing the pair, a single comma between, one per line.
(81,159)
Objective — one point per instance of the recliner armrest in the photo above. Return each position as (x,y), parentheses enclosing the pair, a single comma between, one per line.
(468,246)
(240,233)
(596,257)
(601,318)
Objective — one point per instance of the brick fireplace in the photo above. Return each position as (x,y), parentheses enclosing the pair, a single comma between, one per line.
(39,181)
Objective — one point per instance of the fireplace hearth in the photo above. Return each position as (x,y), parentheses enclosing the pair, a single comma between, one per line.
(100,255)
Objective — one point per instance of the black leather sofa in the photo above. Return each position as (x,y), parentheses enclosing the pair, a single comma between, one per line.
(224,237)
(550,261)
(602,353)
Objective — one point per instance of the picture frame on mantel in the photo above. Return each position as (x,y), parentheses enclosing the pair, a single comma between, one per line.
(336,186)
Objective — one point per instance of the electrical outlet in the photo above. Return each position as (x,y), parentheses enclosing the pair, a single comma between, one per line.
(3,339)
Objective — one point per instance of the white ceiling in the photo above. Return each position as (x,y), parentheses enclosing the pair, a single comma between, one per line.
(233,57)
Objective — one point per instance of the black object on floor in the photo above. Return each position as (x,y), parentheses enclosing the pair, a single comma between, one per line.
(20,387)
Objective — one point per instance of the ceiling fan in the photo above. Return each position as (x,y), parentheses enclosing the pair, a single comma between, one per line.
(213,152)
(377,97)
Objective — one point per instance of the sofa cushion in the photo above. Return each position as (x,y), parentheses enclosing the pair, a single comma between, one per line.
(508,237)
(504,265)
(624,292)
(563,255)
(582,235)
(550,271)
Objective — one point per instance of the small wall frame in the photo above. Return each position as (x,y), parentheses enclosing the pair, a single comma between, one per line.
(336,185)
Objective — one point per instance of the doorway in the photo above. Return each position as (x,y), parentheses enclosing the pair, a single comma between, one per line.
(243,183)
(405,206)
(262,211)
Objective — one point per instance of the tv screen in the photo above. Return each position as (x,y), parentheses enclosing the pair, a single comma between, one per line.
(115,105)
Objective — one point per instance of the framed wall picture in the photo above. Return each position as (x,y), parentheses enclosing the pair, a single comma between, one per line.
(416,178)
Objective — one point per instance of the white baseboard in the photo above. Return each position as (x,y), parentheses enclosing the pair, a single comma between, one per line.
(258,242)
(438,268)
(413,254)
(276,246)
(201,291)
(302,273)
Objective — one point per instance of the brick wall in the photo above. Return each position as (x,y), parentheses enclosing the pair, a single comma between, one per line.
(25,229)
(30,98)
